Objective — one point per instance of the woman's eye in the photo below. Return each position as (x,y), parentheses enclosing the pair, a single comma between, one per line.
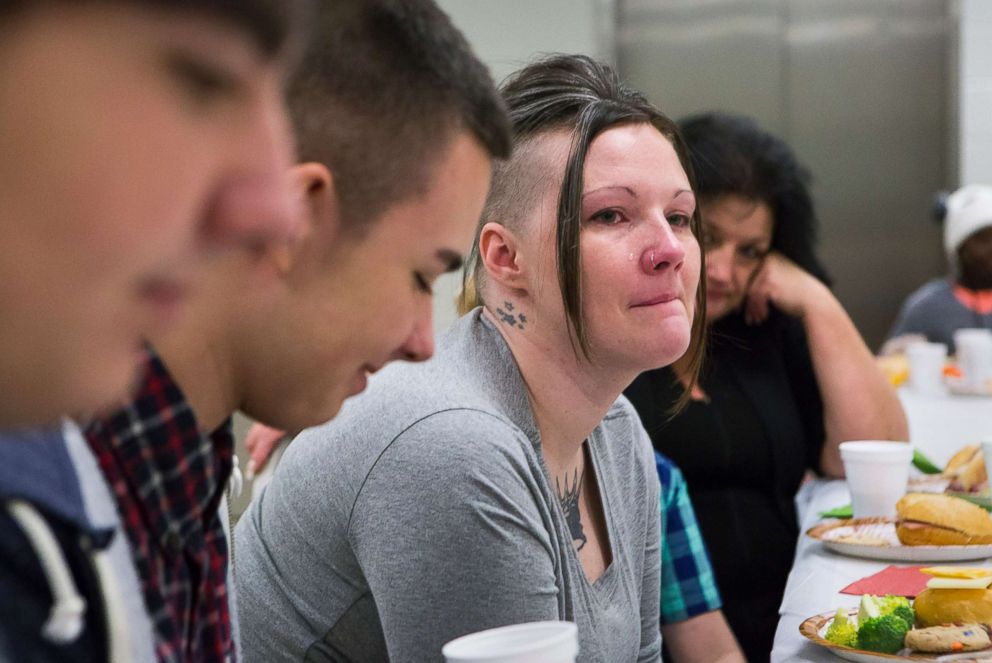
(751,252)
(423,284)
(679,220)
(608,217)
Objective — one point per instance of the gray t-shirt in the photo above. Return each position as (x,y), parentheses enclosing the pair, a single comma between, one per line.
(424,512)
(935,312)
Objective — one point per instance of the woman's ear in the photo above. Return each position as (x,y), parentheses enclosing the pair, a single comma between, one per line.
(499,251)
(321,222)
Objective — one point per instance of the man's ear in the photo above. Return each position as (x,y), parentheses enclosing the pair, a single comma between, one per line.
(499,251)
(314,184)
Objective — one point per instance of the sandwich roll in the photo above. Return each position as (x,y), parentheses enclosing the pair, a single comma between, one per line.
(928,519)
(953,606)
(966,469)
(961,457)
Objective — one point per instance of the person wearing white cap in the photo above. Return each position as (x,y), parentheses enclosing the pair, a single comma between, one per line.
(964,298)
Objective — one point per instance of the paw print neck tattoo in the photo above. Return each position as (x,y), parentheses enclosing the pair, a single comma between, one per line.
(506,314)
(569,499)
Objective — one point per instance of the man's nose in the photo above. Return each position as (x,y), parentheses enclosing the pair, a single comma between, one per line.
(257,203)
(419,344)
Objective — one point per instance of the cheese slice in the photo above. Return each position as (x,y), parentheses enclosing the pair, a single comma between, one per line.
(959,583)
(958,572)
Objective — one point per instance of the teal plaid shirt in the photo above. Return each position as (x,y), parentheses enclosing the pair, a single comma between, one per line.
(687,584)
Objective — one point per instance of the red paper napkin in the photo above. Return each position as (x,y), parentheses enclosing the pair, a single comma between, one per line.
(905,581)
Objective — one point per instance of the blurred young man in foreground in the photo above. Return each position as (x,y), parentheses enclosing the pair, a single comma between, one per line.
(138,139)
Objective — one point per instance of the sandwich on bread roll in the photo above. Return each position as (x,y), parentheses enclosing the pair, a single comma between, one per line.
(966,469)
(943,603)
(930,519)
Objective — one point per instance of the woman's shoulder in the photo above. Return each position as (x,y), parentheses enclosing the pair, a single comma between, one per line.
(426,425)
(463,433)
(462,462)
(443,457)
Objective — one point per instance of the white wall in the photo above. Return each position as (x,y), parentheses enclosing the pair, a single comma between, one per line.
(508,33)
(975,100)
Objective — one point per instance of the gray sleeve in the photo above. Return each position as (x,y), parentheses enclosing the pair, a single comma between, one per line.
(451,535)
(651,591)
(924,311)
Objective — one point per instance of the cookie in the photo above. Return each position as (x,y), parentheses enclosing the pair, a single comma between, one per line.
(942,639)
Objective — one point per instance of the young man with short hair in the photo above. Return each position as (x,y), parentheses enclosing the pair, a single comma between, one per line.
(397,124)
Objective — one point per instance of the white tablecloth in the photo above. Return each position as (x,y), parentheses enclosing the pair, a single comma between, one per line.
(938,426)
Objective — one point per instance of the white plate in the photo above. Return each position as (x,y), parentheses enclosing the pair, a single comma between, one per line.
(815,629)
(875,538)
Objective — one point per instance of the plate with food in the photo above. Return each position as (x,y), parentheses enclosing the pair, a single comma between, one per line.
(950,620)
(964,476)
(928,528)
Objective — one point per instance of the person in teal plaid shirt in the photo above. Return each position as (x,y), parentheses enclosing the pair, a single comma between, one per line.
(692,625)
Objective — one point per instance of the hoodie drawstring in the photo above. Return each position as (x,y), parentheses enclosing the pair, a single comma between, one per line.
(65,621)
(67,617)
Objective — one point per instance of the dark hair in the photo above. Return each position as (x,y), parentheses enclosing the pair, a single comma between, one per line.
(732,155)
(586,97)
(271,23)
(380,94)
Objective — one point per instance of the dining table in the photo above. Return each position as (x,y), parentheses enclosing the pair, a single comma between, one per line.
(939,425)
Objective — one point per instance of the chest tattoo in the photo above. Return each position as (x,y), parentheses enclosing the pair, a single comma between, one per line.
(569,498)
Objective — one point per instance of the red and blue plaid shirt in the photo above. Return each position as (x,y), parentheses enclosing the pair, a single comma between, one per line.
(168,478)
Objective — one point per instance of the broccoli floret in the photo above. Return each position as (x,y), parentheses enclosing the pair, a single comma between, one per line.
(882,634)
(906,613)
(879,606)
(897,605)
(890,601)
(870,606)
(842,631)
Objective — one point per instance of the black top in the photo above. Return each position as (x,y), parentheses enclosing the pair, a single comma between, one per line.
(744,453)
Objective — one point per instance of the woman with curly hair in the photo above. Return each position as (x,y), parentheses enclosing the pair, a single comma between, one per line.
(787,378)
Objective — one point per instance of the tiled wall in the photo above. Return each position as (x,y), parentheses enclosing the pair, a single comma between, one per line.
(975,102)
